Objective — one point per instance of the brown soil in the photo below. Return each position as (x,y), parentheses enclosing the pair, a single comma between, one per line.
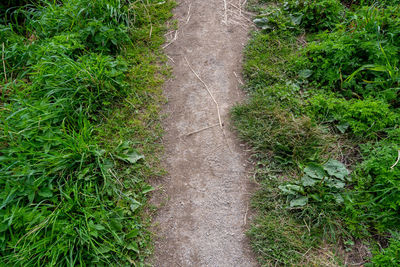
(206,192)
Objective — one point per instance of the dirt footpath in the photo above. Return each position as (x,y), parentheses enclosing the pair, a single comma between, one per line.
(206,192)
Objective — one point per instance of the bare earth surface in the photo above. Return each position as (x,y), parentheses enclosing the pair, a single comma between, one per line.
(206,192)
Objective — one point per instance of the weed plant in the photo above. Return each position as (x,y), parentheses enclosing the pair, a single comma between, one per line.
(78,120)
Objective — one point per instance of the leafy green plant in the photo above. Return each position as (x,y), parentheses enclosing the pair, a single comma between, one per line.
(73,183)
(389,256)
(271,128)
(315,15)
(374,202)
(392,82)
(363,117)
(320,183)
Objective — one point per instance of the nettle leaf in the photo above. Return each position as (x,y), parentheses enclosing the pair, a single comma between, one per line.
(308,181)
(315,171)
(336,168)
(299,202)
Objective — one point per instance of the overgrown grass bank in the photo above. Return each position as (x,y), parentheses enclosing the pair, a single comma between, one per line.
(323,120)
(80,94)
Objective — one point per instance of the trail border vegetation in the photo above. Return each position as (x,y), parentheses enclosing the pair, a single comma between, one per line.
(323,120)
(79,119)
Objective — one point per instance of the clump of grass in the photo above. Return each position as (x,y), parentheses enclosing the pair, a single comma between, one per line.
(79,131)
(268,127)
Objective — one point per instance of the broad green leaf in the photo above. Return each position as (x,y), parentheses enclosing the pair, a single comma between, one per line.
(147,188)
(291,189)
(336,168)
(103,249)
(315,171)
(333,183)
(116,225)
(133,246)
(45,192)
(299,202)
(304,74)
(308,181)
(339,199)
(260,22)
(131,157)
(133,233)
(134,157)
(296,20)
(99,227)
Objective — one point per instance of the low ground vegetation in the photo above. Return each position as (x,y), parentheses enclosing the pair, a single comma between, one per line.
(323,119)
(79,101)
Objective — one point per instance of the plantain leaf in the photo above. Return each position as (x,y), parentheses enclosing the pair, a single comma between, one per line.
(299,202)
(336,168)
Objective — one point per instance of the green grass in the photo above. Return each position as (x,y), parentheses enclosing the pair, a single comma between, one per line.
(323,101)
(79,116)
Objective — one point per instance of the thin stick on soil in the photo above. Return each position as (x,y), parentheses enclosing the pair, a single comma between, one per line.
(4,64)
(170,58)
(216,104)
(173,40)
(225,13)
(245,215)
(240,11)
(188,15)
(397,161)
(209,92)
(202,129)
(237,78)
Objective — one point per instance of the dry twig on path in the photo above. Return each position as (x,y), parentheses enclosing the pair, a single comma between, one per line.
(245,215)
(215,101)
(202,129)
(225,13)
(173,40)
(238,79)
(209,92)
(188,15)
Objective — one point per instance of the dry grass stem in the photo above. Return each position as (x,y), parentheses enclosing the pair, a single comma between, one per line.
(245,215)
(202,129)
(397,161)
(188,15)
(225,13)
(240,15)
(4,64)
(209,92)
(173,40)
(237,78)
(170,58)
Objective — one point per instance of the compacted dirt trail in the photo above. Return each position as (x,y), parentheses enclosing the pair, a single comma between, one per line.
(206,192)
